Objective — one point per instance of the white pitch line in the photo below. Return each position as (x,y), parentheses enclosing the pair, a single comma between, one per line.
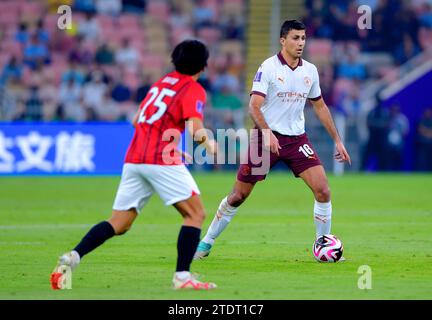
(21,243)
(43,226)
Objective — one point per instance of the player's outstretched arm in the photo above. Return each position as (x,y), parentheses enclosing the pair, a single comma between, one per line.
(324,115)
(199,134)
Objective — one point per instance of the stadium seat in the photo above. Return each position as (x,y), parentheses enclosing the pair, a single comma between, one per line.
(7,19)
(209,35)
(128,21)
(233,47)
(31,9)
(50,21)
(105,21)
(159,10)
(319,50)
(10,8)
(233,8)
(180,34)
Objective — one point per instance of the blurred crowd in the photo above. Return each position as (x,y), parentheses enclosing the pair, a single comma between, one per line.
(388,130)
(351,60)
(103,66)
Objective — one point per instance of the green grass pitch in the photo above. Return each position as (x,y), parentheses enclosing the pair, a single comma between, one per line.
(384,221)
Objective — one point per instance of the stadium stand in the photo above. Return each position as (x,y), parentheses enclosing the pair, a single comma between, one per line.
(116,48)
(113,47)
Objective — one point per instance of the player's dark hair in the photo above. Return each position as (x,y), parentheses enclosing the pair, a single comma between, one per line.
(190,57)
(289,25)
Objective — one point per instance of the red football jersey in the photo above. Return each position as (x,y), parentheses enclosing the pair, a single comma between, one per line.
(169,103)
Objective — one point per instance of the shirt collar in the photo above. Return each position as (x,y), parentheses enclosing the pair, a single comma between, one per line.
(283,61)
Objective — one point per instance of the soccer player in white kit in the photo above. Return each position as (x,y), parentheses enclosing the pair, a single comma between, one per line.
(279,92)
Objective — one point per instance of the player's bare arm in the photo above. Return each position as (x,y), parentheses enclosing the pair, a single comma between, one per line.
(324,115)
(255,105)
(199,133)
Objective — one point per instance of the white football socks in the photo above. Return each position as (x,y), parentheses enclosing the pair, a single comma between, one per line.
(223,217)
(182,275)
(322,217)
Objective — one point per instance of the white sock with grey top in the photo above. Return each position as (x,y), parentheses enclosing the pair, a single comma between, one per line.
(223,217)
(322,217)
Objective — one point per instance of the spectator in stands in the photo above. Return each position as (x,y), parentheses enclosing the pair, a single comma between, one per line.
(107,109)
(41,32)
(120,91)
(398,130)
(350,104)
(104,54)
(378,122)
(80,54)
(351,67)
(370,3)
(60,114)
(348,29)
(406,50)
(34,105)
(61,41)
(109,7)
(49,96)
(22,35)
(203,15)
(407,21)
(84,6)
(95,90)
(76,111)
(35,53)
(89,28)
(318,28)
(13,69)
(205,82)
(70,91)
(179,19)
(74,73)
(232,30)
(229,107)
(134,6)
(127,55)
(223,78)
(424,142)
(377,39)
(426,15)
(143,88)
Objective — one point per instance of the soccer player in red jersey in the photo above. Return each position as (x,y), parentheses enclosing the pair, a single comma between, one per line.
(154,165)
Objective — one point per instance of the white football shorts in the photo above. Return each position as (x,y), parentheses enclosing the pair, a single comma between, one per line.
(139,182)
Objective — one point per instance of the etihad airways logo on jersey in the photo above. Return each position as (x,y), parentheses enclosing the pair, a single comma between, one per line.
(290,95)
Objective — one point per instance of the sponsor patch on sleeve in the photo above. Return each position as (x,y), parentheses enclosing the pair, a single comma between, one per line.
(199,106)
(257,77)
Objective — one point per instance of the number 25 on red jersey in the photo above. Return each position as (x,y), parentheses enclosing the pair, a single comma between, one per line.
(161,106)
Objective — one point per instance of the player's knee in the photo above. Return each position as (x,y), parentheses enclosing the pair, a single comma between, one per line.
(198,216)
(322,194)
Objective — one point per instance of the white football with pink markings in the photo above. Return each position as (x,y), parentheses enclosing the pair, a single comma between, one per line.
(327,248)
